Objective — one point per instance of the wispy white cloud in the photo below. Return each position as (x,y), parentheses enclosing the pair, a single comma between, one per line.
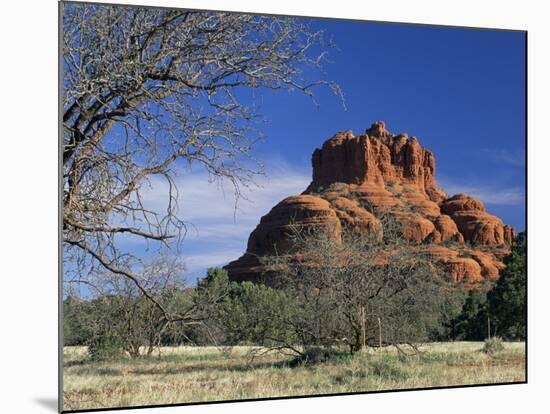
(219,224)
(515,158)
(488,193)
(197,262)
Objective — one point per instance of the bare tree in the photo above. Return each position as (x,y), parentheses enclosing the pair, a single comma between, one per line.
(148,92)
(353,288)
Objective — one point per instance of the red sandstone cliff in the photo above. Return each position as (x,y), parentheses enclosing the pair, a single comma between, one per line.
(357,177)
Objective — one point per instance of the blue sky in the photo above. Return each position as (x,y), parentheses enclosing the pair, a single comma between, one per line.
(460,91)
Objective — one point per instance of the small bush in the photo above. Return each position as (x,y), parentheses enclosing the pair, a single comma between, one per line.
(366,205)
(349,375)
(338,187)
(317,355)
(105,347)
(452,241)
(388,369)
(493,345)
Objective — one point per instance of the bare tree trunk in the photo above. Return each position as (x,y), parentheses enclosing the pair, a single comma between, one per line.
(133,350)
(379,333)
(363,318)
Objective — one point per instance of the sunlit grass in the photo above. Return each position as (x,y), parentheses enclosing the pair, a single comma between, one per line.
(192,374)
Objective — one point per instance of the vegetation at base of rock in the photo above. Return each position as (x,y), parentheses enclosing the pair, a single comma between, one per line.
(471,323)
(362,291)
(507,302)
(410,306)
(502,310)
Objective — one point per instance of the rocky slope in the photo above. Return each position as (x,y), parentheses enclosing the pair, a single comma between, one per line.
(356,178)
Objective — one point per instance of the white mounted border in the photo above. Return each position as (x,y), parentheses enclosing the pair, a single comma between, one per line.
(28,207)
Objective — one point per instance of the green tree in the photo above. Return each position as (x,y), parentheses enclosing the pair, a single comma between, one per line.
(258,314)
(502,310)
(471,323)
(77,321)
(243,313)
(507,301)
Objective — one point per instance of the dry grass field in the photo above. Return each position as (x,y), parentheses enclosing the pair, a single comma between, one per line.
(192,374)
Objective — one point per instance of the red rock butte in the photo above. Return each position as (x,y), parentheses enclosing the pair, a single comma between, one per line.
(357,178)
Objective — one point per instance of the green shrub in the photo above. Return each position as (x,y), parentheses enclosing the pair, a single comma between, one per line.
(315,355)
(366,205)
(106,347)
(504,304)
(338,187)
(493,345)
(349,375)
(507,300)
(452,241)
(388,369)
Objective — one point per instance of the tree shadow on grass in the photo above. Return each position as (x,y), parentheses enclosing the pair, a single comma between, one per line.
(206,367)
(102,371)
(86,367)
(78,362)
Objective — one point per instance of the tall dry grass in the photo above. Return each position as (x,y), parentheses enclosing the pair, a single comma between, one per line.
(192,374)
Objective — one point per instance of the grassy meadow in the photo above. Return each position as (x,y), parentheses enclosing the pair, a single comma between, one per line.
(193,374)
